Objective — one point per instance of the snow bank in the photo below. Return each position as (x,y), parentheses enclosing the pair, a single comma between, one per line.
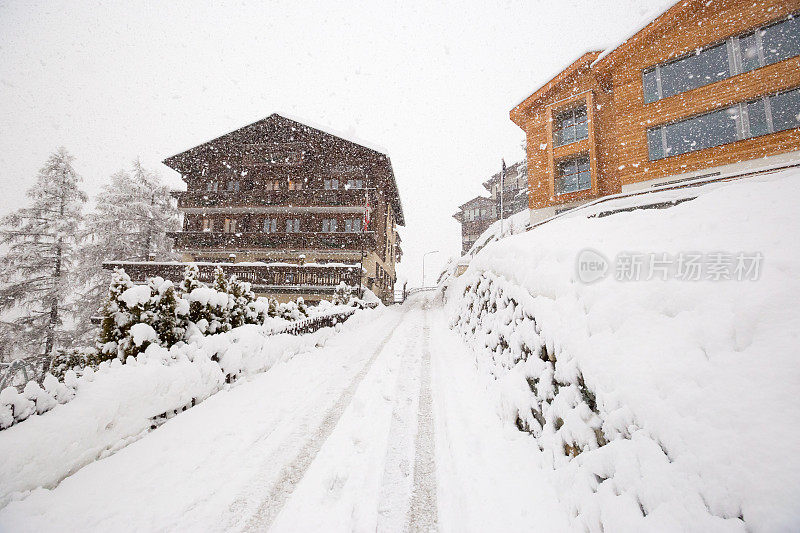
(659,404)
(119,403)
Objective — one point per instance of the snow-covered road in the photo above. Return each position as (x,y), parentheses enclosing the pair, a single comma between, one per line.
(387,427)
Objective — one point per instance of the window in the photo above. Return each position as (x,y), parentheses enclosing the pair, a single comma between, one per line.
(292,225)
(743,53)
(329,225)
(352,225)
(208,224)
(573,175)
(230,225)
(295,185)
(780,41)
(785,110)
(331,184)
(355,184)
(270,225)
(765,115)
(234,186)
(571,125)
(272,185)
(212,186)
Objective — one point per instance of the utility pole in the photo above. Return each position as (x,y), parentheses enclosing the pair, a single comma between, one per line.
(502,187)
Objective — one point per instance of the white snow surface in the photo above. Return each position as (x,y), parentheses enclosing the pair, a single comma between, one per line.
(142,333)
(398,422)
(695,381)
(136,295)
(116,404)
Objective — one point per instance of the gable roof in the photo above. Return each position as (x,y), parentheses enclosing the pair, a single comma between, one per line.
(668,13)
(255,133)
(582,62)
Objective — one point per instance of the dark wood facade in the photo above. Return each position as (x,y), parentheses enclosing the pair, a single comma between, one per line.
(280,192)
(282,279)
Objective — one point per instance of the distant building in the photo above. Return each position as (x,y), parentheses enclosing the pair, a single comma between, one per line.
(282,205)
(515,189)
(705,88)
(475,217)
(479,213)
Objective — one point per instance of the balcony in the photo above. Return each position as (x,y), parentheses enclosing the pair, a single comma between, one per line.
(231,242)
(264,278)
(301,198)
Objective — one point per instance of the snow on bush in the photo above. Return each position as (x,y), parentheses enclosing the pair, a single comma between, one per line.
(155,313)
(656,404)
(120,402)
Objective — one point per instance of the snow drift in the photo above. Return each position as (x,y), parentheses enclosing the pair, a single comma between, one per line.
(120,402)
(660,403)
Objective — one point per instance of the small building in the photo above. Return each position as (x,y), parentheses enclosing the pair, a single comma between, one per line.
(705,88)
(475,217)
(479,213)
(515,189)
(290,208)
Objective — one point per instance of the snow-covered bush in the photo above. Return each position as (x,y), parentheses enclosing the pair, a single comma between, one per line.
(292,311)
(136,316)
(119,402)
(542,395)
(657,404)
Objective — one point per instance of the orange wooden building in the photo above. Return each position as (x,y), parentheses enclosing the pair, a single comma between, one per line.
(705,88)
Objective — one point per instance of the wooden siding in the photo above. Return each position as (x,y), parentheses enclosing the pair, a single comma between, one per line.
(619,118)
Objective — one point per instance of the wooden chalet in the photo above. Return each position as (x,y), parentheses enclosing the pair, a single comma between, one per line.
(703,89)
(291,208)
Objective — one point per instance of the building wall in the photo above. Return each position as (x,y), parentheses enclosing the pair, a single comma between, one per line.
(583,86)
(619,118)
(708,23)
(253,198)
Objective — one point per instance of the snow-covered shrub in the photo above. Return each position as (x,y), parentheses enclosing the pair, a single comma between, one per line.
(119,402)
(72,359)
(136,316)
(343,294)
(245,307)
(543,397)
(291,311)
(169,312)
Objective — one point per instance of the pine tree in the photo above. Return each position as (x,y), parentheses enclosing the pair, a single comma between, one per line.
(169,313)
(40,251)
(191,279)
(220,282)
(133,214)
(117,319)
(239,309)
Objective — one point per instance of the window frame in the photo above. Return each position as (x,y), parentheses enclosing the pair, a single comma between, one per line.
(735,59)
(558,176)
(743,127)
(557,117)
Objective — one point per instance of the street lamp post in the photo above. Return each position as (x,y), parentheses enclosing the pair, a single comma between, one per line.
(423,264)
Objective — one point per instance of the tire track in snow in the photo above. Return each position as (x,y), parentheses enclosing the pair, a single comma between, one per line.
(292,473)
(396,484)
(423,515)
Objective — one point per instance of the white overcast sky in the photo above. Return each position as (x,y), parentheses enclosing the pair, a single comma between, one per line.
(430,82)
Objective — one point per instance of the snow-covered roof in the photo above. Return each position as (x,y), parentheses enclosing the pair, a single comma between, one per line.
(648,18)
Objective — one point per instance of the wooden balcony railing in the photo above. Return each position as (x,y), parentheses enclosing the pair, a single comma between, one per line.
(263,277)
(301,198)
(206,240)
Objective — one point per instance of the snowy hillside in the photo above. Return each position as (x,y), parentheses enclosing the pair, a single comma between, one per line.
(659,380)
